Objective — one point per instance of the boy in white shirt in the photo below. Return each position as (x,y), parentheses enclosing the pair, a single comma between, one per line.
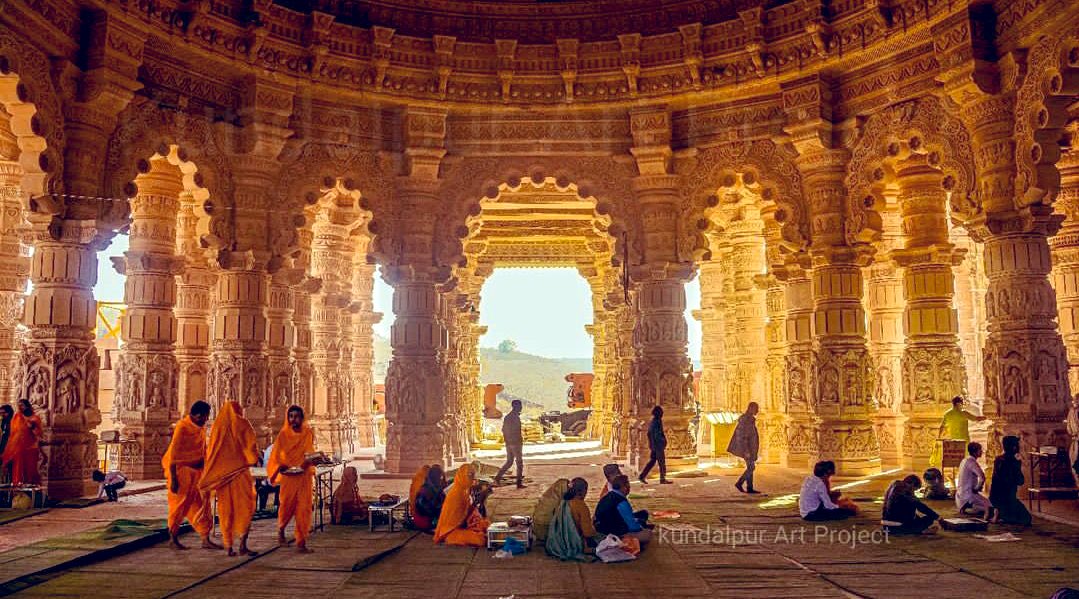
(109,484)
(814,502)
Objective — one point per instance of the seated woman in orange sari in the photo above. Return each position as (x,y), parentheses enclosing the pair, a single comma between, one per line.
(231,453)
(348,506)
(462,521)
(22,451)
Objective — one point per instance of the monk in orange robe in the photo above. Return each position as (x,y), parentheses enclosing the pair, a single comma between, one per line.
(288,466)
(461,522)
(229,457)
(183,463)
(22,449)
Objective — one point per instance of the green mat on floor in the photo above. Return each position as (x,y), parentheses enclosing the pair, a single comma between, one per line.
(104,537)
(78,503)
(9,515)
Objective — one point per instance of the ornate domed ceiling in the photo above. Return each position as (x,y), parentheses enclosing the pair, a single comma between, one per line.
(528,21)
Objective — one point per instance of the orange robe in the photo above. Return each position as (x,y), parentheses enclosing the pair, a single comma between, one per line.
(187,447)
(296,489)
(229,456)
(22,449)
(417,483)
(459,523)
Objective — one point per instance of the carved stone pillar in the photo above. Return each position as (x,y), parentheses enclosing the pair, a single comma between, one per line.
(775,420)
(747,262)
(452,381)
(1065,254)
(147,374)
(303,374)
(662,372)
(194,306)
(238,364)
(325,359)
(970,288)
(802,430)
(280,340)
(58,367)
(885,307)
(364,319)
(415,384)
(932,362)
(712,316)
(1025,363)
(14,267)
(844,374)
(622,406)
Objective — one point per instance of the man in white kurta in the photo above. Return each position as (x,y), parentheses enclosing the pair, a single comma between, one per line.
(968,492)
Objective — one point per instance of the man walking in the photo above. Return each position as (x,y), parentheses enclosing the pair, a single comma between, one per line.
(511,435)
(657,444)
(745,443)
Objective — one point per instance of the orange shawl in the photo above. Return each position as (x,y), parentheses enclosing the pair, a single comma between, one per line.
(23,436)
(289,449)
(455,508)
(417,483)
(232,449)
(187,447)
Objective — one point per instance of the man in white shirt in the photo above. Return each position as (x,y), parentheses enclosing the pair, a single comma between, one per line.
(815,503)
(968,492)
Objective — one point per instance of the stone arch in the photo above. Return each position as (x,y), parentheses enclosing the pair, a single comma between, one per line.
(923,125)
(28,94)
(146,130)
(767,167)
(466,182)
(315,167)
(1051,85)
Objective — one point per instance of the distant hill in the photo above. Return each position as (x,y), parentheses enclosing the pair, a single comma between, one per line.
(537,381)
(533,379)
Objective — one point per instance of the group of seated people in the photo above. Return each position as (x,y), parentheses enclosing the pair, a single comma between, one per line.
(456,513)
(567,527)
(905,513)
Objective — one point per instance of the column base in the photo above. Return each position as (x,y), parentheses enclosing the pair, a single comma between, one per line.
(366,433)
(410,446)
(852,445)
(72,456)
(890,434)
(920,438)
(141,460)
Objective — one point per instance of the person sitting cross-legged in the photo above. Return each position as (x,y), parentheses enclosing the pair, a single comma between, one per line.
(615,515)
(815,502)
(901,506)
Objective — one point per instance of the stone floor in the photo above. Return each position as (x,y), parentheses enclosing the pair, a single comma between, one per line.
(749,547)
